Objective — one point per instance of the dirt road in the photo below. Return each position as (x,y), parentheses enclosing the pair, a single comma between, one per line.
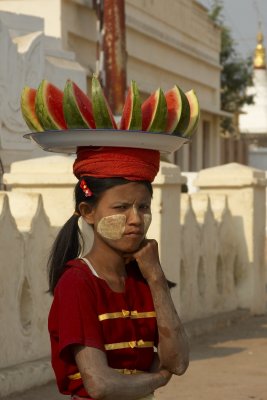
(226,365)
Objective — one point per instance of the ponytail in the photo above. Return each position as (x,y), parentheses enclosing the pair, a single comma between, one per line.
(66,247)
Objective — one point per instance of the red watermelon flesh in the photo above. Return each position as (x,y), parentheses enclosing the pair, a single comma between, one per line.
(178,111)
(27,102)
(31,99)
(154,112)
(174,101)
(85,105)
(77,107)
(127,111)
(49,106)
(132,116)
(147,111)
(54,102)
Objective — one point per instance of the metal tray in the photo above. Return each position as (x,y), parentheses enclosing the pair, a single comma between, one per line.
(67,141)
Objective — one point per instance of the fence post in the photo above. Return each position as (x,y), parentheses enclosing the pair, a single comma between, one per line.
(165,227)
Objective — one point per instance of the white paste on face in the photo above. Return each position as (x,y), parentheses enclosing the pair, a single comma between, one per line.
(147,219)
(147,222)
(112,227)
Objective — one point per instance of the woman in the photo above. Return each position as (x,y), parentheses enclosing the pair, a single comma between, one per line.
(113,306)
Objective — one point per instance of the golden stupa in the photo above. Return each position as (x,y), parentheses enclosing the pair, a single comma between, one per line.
(259,56)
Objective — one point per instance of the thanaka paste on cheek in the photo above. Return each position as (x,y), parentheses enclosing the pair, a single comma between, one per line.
(112,227)
(147,222)
(147,219)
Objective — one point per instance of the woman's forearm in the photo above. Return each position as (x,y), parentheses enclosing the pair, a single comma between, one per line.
(173,346)
(105,383)
(173,349)
(113,385)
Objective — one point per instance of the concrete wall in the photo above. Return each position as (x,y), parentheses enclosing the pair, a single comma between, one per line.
(211,244)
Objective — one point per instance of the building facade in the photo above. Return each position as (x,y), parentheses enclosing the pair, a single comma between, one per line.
(167,43)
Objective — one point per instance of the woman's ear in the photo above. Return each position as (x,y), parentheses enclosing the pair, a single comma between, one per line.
(87,212)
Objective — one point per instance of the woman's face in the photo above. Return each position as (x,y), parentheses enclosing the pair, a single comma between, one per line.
(122,216)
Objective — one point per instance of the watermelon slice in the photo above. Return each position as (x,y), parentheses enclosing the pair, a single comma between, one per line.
(154,112)
(49,106)
(27,102)
(77,107)
(178,111)
(102,113)
(194,113)
(132,115)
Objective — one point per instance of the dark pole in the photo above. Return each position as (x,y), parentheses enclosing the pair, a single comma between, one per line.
(114,46)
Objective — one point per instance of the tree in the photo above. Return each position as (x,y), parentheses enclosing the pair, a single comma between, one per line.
(236,74)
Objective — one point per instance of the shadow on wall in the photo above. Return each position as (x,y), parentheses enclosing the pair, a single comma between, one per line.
(214,272)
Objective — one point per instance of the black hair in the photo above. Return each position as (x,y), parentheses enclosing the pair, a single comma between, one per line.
(69,241)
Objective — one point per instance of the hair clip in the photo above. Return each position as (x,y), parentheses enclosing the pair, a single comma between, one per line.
(85,189)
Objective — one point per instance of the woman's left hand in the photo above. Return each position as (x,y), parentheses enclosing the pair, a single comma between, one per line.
(147,257)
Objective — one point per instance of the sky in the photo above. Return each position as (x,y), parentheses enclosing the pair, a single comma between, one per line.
(243,17)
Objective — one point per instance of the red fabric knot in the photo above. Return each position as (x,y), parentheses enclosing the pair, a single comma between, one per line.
(87,192)
(129,163)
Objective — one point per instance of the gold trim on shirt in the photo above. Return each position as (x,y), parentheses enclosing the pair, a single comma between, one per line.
(127,314)
(132,344)
(74,377)
(124,371)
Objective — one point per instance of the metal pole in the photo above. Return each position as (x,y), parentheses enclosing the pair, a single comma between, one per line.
(114,45)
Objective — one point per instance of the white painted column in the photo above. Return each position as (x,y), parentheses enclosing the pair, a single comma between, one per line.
(165,227)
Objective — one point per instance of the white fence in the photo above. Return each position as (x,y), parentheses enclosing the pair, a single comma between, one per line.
(211,244)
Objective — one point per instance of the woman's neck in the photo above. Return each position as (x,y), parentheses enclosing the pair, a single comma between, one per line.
(107,262)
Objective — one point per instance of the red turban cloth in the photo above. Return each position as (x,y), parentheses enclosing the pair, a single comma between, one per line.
(109,162)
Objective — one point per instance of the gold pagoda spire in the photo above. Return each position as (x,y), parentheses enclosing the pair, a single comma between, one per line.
(259,56)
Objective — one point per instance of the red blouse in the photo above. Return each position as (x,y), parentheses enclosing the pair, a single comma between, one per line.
(85,311)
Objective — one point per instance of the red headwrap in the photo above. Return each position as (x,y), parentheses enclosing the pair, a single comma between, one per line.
(106,162)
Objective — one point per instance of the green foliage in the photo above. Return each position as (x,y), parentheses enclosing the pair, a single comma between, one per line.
(236,74)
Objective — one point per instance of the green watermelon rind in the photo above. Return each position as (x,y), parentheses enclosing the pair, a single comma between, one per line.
(159,118)
(100,107)
(185,114)
(192,126)
(136,114)
(41,109)
(31,120)
(72,115)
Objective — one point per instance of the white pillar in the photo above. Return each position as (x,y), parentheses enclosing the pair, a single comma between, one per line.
(165,227)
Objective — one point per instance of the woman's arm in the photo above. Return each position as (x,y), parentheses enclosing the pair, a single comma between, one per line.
(173,348)
(103,382)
